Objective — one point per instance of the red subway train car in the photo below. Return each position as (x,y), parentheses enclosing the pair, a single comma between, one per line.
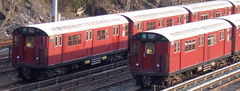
(51,49)
(208,10)
(149,19)
(164,56)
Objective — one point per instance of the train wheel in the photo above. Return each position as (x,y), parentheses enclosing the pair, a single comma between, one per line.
(237,59)
(47,75)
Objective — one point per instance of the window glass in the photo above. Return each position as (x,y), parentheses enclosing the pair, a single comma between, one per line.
(74,39)
(16,41)
(87,38)
(56,41)
(135,47)
(69,40)
(99,35)
(60,40)
(161,22)
(179,19)
(30,41)
(149,48)
(90,35)
(79,39)
(170,22)
(151,25)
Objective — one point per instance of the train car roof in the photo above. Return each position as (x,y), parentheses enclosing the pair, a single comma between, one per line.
(68,26)
(204,6)
(156,13)
(235,19)
(191,29)
(235,2)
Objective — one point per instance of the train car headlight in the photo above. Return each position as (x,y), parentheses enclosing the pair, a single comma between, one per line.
(137,64)
(18,57)
(37,58)
(87,62)
(158,65)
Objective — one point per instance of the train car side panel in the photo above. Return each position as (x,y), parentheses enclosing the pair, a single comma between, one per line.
(123,38)
(189,52)
(55,51)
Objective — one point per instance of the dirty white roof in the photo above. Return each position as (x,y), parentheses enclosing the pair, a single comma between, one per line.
(156,13)
(191,29)
(235,2)
(235,19)
(204,6)
(75,25)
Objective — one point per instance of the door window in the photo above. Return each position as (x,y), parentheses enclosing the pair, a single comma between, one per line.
(30,41)
(135,47)
(16,41)
(150,48)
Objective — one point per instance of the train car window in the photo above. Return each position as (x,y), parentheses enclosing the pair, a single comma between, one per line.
(218,13)
(178,46)
(74,40)
(151,25)
(225,11)
(212,14)
(90,34)
(193,44)
(179,19)
(87,36)
(186,17)
(79,39)
(221,35)
(69,40)
(30,41)
(16,41)
(189,45)
(135,47)
(60,40)
(149,48)
(212,40)
(103,34)
(204,16)
(161,22)
(115,30)
(186,46)
(230,35)
(107,34)
(170,22)
(126,30)
(56,41)
(99,35)
(201,41)
(139,25)
(196,16)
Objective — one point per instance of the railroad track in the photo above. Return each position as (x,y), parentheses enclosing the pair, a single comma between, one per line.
(76,79)
(208,81)
(5,42)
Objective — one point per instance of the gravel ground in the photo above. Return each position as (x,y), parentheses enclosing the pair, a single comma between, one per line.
(124,86)
(8,78)
(232,87)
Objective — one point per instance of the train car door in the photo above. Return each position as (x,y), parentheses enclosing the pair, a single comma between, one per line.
(40,48)
(115,37)
(29,47)
(148,56)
